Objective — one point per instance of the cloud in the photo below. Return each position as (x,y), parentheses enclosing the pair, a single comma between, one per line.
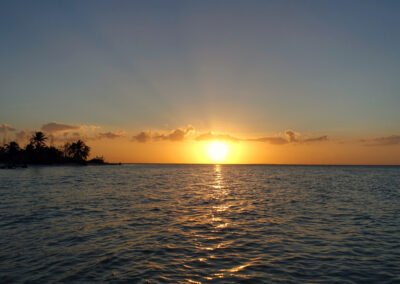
(71,137)
(6,127)
(68,136)
(316,139)
(220,137)
(23,135)
(383,141)
(292,136)
(271,140)
(59,132)
(226,137)
(142,137)
(174,136)
(59,127)
(110,135)
(63,132)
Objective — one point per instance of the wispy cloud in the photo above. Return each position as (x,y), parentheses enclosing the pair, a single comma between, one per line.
(316,139)
(175,135)
(291,137)
(212,136)
(4,128)
(23,135)
(110,135)
(53,127)
(271,140)
(69,137)
(59,132)
(142,137)
(383,141)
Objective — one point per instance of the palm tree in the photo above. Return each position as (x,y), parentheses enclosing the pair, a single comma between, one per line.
(12,153)
(2,153)
(38,140)
(12,148)
(66,149)
(79,151)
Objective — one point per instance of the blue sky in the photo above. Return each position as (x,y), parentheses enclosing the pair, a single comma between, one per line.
(328,67)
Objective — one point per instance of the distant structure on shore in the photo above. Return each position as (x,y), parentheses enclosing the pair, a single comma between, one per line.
(37,152)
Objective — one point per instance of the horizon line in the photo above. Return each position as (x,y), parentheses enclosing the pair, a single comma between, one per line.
(259,164)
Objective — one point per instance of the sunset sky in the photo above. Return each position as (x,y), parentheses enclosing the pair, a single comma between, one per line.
(288,82)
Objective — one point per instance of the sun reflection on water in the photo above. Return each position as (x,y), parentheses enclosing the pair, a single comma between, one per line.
(211,228)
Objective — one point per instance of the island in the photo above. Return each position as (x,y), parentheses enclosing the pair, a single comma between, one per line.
(36,152)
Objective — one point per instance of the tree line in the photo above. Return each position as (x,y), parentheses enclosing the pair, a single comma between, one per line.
(37,152)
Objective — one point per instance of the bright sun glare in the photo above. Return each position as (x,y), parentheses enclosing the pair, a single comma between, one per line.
(217,151)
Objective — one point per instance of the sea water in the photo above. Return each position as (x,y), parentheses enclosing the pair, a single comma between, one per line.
(200,223)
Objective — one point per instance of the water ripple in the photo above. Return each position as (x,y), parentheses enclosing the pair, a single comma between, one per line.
(195,224)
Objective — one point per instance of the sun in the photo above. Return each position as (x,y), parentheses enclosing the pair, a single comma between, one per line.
(217,151)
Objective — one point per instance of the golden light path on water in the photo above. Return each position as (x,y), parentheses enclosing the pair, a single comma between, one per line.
(220,194)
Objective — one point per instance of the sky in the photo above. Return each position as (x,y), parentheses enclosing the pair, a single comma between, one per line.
(301,81)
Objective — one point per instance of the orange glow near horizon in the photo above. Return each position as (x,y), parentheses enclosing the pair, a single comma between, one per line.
(242,152)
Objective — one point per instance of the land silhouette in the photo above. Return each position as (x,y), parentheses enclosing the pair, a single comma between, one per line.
(36,152)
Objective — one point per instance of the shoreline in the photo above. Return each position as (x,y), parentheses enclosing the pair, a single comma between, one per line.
(23,166)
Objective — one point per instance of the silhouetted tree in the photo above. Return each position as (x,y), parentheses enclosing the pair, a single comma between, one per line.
(53,155)
(66,149)
(78,151)
(38,140)
(12,153)
(12,148)
(29,148)
(36,152)
(2,153)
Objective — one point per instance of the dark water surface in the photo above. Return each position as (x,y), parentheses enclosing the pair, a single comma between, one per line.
(200,223)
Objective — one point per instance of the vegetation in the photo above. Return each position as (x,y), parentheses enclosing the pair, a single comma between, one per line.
(37,152)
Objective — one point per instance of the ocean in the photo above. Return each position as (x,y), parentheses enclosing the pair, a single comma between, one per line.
(200,224)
